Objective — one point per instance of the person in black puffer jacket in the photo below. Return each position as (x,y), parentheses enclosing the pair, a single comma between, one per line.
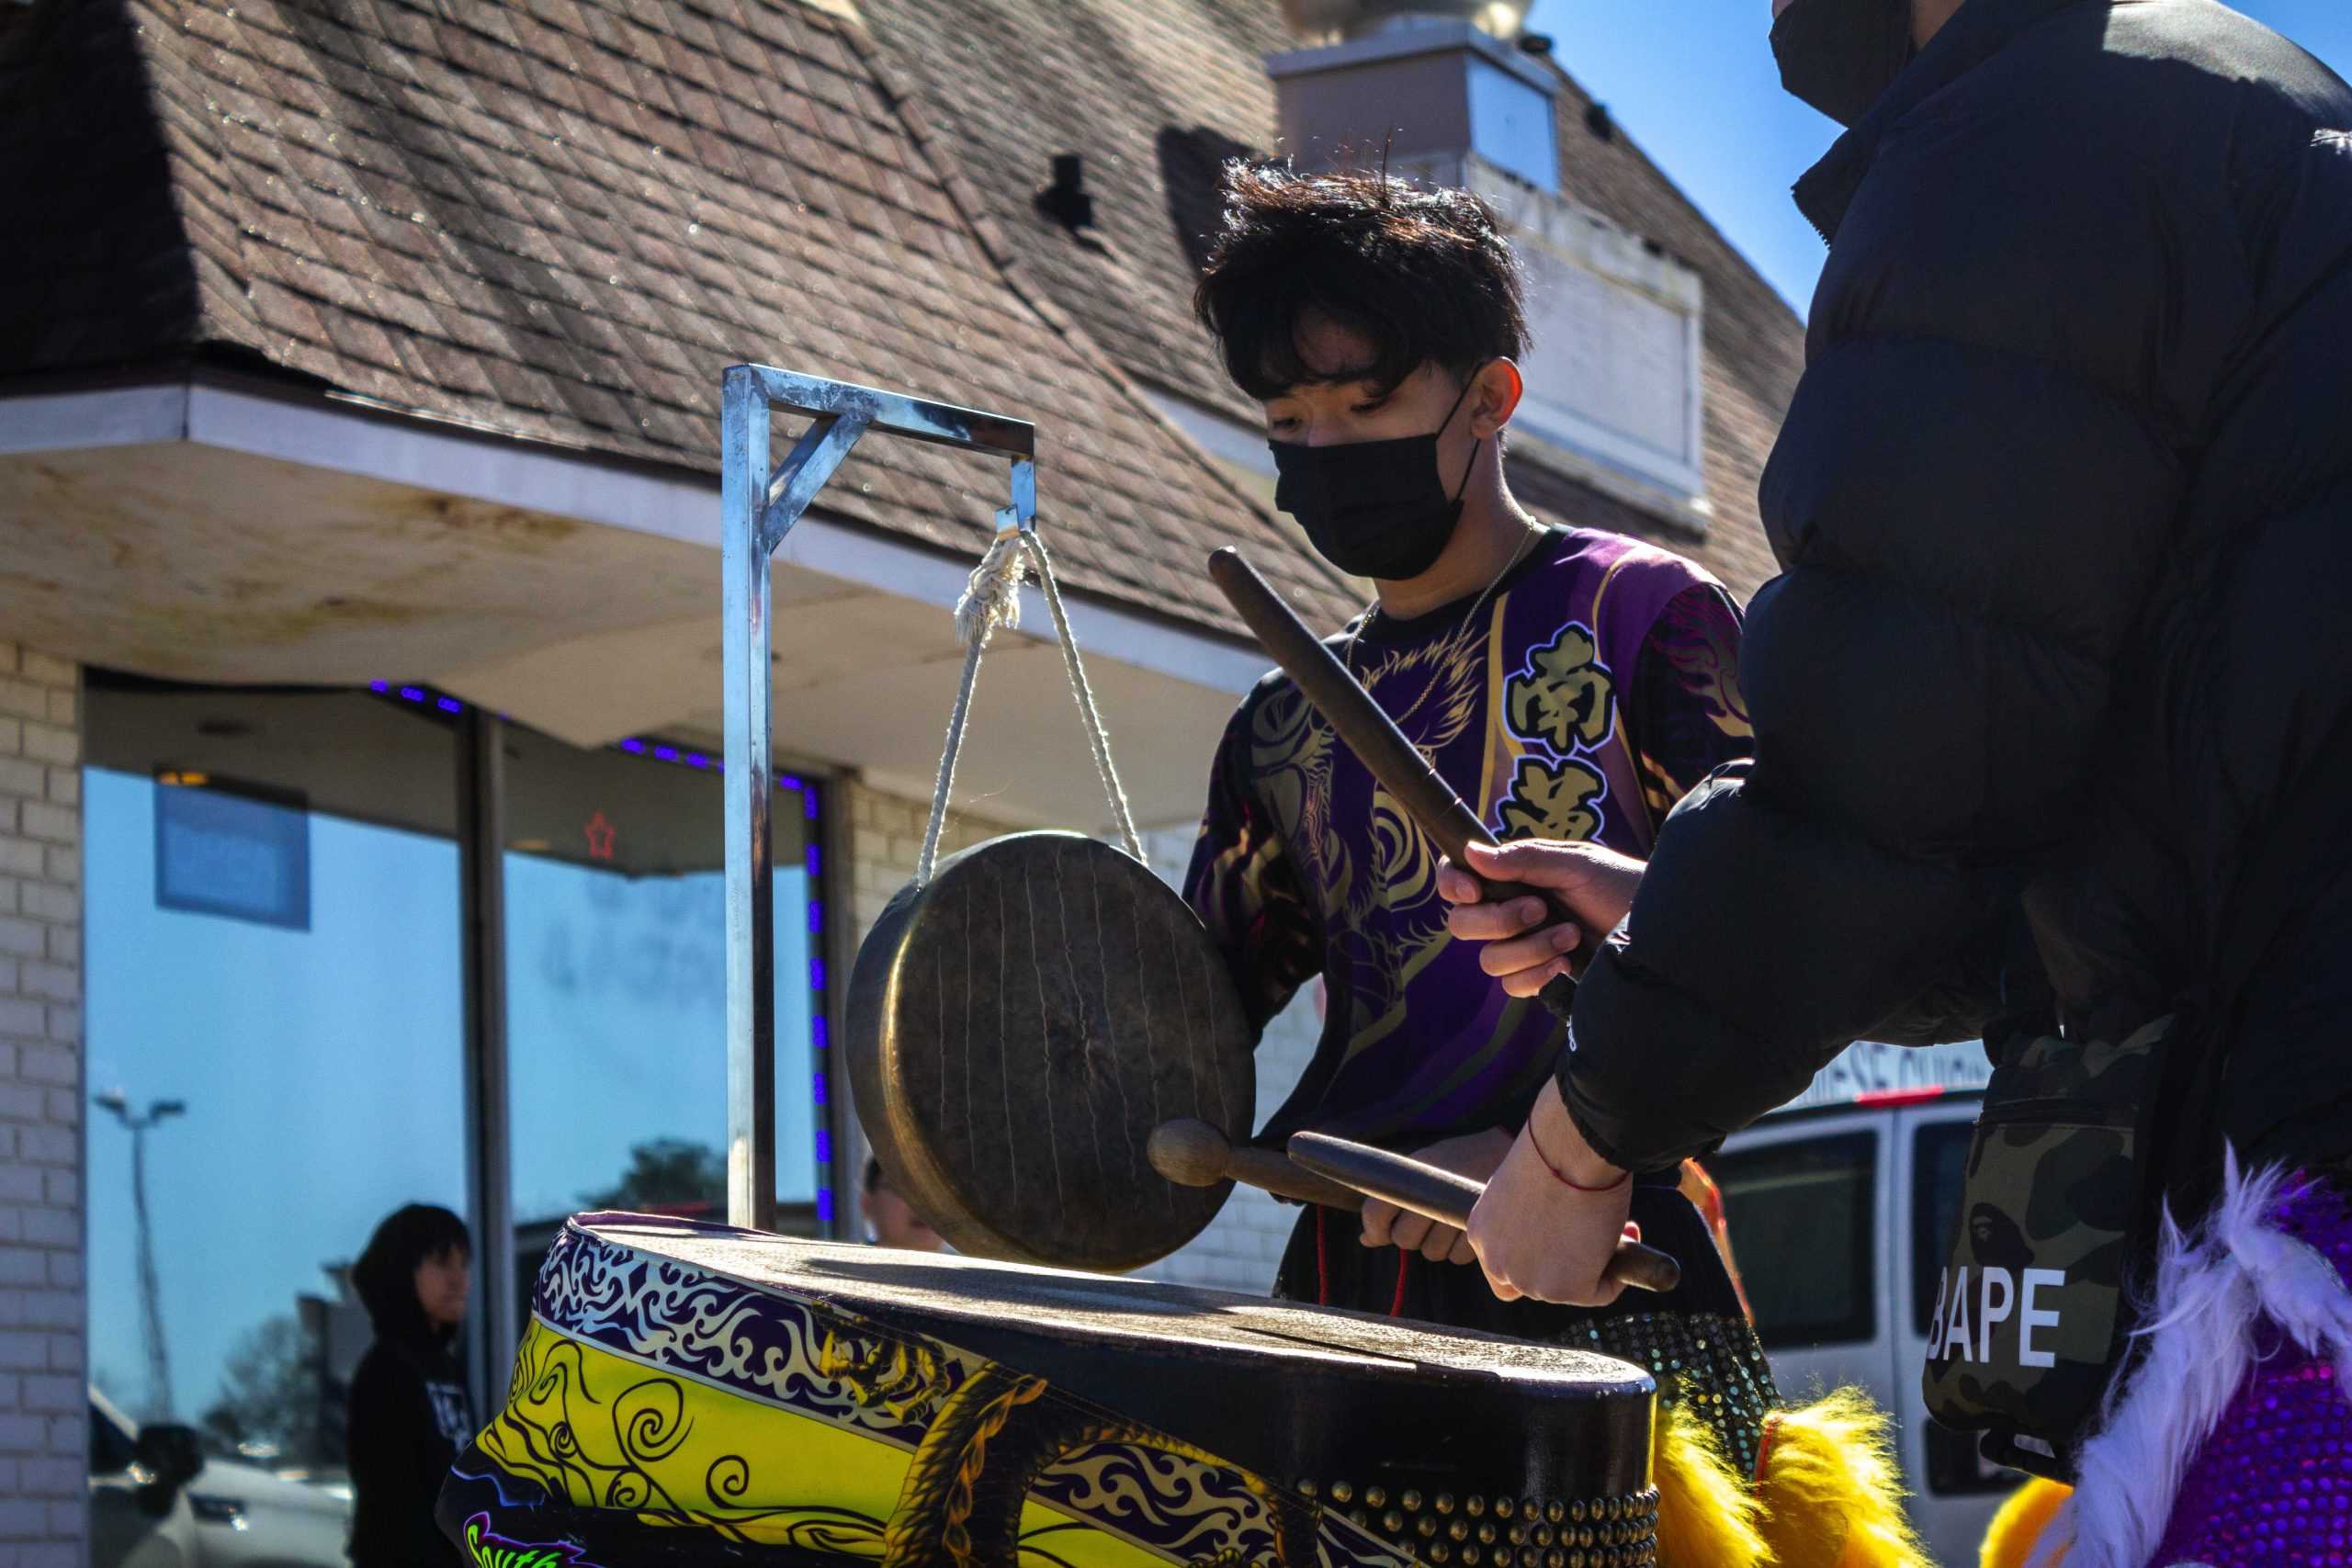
(410,1412)
(2062,503)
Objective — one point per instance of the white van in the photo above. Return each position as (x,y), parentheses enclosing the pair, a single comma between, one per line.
(1841,1207)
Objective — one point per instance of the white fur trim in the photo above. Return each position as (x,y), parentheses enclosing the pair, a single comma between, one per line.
(2212,1288)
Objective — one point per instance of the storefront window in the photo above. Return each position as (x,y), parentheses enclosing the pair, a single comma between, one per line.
(275,1034)
(276,1022)
(616,988)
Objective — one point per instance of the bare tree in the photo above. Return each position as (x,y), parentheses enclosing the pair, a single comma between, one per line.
(271,1404)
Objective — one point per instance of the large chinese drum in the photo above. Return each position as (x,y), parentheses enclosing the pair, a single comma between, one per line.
(691,1394)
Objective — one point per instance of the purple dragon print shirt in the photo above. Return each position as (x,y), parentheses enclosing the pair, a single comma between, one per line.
(1596,685)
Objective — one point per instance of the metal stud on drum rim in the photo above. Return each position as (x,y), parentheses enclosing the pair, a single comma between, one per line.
(1019,1025)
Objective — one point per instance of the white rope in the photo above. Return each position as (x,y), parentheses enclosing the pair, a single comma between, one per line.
(1097,739)
(991,595)
(992,600)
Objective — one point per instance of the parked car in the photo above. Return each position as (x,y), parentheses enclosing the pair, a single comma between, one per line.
(1842,1208)
(158,1500)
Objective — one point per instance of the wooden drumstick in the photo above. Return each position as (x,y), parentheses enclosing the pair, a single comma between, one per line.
(1447,1197)
(1373,737)
(1192,1154)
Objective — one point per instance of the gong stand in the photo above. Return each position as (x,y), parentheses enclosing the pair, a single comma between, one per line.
(759,505)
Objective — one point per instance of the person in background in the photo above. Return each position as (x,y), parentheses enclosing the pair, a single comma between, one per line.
(892,1219)
(410,1412)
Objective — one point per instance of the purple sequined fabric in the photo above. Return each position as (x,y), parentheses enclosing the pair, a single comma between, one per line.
(2272,1488)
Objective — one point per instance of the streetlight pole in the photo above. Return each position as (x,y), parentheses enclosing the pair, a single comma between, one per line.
(150,1294)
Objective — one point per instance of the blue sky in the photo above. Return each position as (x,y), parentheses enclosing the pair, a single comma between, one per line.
(1694,83)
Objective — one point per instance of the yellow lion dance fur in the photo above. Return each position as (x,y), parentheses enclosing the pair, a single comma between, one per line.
(2016,1529)
(1827,1494)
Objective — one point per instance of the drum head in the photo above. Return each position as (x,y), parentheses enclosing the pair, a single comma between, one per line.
(1017,1028)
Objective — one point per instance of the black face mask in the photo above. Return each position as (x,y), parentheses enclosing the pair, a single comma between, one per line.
(1374,508)
(1841,56)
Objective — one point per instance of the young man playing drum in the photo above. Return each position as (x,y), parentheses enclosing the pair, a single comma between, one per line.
(1568,684)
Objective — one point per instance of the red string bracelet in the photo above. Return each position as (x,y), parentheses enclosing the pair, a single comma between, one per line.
(1561,1176)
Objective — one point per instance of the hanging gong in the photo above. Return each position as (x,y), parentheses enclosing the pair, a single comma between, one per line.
(1019,1025)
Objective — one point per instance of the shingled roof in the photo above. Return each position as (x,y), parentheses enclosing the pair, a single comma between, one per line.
(562,219)
(1157,93)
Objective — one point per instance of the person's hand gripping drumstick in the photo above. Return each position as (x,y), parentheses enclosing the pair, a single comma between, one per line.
(1553,1211)
(1527,947)
(1474,1155)
(1343,1175)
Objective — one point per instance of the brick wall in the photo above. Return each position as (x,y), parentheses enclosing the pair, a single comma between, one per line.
(44,1424)
(885,840)
(1238,1252)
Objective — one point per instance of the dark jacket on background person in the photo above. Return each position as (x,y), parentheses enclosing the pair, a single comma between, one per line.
(410,1414)
(2065,505)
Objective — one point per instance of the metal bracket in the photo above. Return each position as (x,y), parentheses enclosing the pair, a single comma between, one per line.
(758,507)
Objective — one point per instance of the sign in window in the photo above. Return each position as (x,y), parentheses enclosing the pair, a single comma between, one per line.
(234,850)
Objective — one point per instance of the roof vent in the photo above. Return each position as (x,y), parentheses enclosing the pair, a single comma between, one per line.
(1066,201)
